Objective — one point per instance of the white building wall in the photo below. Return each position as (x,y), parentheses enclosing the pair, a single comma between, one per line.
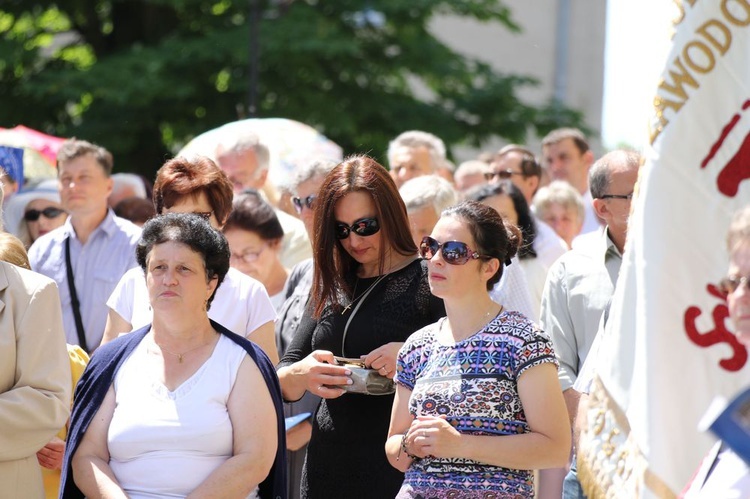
(532,52)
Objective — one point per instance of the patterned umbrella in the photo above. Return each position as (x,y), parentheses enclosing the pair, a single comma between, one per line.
(290,144)
(40,150)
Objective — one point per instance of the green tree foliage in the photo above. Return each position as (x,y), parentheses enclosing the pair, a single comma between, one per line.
(142,77)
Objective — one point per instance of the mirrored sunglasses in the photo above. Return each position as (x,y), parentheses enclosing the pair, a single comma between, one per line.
(363,227)
(454,252)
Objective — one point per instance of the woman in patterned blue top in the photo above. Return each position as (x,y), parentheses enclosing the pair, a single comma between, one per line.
(478,404)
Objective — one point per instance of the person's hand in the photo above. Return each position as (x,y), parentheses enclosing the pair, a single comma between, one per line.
(322,375)
(383,359)
(433,436)
(298,436)
(51,455)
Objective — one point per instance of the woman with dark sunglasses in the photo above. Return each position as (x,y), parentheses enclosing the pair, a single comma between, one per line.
(370,292)
(33,213)
(478,405)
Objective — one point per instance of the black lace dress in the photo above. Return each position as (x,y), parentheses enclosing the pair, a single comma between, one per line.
(346,455)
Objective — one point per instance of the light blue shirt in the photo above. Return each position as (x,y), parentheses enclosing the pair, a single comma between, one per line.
(579,287)
(97,265)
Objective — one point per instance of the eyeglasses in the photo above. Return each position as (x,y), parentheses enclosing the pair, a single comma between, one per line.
(617,196)
(729,285)
(501,174)
(248,256)
(363,227)
(299,203)
(454,252)
(49,212)
(206,215)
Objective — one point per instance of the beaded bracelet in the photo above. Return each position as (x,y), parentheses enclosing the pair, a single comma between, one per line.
(405,450)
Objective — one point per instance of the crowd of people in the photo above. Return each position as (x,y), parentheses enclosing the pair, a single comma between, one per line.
(410,330)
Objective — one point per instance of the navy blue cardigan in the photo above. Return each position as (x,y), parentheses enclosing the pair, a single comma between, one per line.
(100,374)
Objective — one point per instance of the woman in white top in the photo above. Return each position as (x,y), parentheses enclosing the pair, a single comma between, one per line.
(255,236)
(189,413)
(197,186)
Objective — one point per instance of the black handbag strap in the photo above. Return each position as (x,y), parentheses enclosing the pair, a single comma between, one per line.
(359,303)
(74,298)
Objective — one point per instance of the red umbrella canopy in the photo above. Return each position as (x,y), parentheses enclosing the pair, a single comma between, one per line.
(40,150)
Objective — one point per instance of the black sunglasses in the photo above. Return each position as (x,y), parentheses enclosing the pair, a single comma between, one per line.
(49,212)
(501,174)
(729,285)
(363,227)
(454,252)
(298,203)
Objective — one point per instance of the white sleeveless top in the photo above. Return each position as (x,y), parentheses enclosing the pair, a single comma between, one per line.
(162,443)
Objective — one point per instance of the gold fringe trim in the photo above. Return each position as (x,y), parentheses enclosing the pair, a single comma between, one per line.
(610,463)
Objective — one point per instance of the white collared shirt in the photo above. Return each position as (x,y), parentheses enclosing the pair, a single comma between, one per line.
(578,289)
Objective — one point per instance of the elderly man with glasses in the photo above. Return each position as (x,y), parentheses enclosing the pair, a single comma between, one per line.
(581,283)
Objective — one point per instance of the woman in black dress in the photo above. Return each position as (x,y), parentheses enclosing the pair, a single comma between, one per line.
(366,264)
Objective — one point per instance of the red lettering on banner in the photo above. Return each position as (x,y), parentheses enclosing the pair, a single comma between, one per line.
(738,168)
(719,334)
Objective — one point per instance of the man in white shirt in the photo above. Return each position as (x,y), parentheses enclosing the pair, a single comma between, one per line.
(246,160)
(568,157)
(581,283)
(94,246)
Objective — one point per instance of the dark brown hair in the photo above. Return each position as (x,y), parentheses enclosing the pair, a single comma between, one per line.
(333,265)
(525,219)
(180,177)
(137,210)
(530,167)
(251,213)
(495,237)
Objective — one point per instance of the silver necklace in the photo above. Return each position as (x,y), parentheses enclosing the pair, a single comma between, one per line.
(484,322)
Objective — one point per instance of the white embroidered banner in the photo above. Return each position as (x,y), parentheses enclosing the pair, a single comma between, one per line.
(668,348)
